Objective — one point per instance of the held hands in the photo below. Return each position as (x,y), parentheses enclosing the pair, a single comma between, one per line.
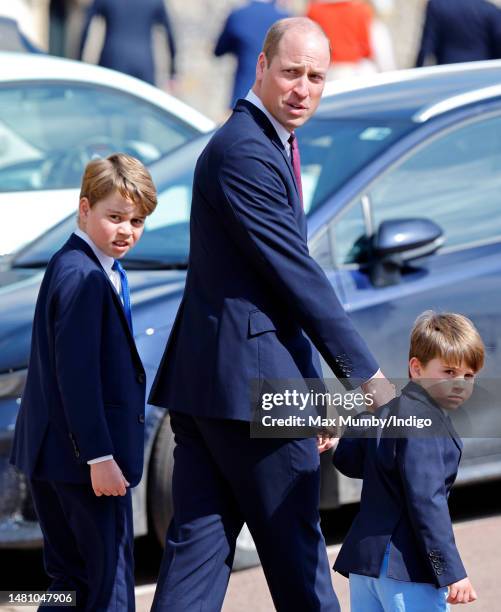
(325,441)
(107,478)
(461,591)
(381,390)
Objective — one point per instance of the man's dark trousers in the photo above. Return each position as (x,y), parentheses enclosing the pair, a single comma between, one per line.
(223,478)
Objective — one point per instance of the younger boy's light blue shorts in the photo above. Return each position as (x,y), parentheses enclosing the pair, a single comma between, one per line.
(385,594)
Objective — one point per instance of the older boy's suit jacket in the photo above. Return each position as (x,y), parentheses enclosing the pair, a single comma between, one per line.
(252,288)
(407,481)
(84,394)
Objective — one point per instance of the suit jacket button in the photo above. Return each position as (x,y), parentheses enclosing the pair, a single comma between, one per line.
(140,418)
(140,378)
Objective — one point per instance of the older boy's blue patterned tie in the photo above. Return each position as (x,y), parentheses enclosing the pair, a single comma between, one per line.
(124,291)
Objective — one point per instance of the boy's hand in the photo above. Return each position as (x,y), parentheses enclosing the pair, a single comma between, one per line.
(325,441)
(461,591)
(107,478)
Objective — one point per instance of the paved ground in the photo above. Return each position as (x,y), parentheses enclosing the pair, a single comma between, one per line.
(478,540)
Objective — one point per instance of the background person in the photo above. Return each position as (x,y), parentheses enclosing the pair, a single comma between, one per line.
(460,31)
(242,36)
(128,39)
(348,25)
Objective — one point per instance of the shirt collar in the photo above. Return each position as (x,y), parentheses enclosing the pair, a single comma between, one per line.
(282,132)
(105,260)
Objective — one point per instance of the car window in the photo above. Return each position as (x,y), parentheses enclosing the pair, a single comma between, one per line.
(350,236)
(455,180)
(333,150)
(49,132)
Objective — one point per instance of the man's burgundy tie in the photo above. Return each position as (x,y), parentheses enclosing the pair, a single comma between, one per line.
(296,164)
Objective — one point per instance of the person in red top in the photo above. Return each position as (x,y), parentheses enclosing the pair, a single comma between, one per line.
(347,24)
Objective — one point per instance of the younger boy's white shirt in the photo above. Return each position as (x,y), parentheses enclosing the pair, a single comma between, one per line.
(106,262)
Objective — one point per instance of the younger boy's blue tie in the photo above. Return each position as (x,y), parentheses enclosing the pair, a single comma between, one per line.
(124,291)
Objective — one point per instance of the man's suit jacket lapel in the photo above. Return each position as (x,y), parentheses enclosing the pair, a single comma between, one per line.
(77,243)
(264,123)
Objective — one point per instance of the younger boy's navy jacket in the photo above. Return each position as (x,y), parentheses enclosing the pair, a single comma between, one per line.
(407,480)
(85,390)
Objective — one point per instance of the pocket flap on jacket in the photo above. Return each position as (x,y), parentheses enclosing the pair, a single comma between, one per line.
(259,323)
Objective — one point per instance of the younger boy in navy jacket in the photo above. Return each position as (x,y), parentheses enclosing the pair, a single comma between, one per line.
(80,430)
(400,553)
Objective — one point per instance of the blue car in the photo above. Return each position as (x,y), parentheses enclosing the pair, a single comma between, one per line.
(402,189)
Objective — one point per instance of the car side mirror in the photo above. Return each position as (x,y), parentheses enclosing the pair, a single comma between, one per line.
(398,241)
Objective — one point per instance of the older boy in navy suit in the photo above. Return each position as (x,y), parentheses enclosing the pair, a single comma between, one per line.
(80,429)
(400,552)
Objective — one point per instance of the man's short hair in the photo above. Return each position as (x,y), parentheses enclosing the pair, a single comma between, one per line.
(124,174)
(280,27)
(448,336)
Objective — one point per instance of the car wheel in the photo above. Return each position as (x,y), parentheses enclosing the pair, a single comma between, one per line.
(160,498)
(160,480)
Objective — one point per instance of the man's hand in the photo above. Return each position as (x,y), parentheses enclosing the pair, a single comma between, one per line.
(325,441)
(461,591)
(107,478)
(381,390)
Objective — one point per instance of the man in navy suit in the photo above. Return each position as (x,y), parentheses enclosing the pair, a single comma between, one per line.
(80,430)
(253,294)
(400,552)
(242,35)
(128,40)
(460,31)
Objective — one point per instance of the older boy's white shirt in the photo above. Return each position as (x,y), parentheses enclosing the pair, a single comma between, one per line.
(282,132)
(106,262)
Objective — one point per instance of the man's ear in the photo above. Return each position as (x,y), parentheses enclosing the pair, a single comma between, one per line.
(262,64)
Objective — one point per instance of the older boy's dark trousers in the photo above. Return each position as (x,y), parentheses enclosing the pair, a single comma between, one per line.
(88,544)
(223,478)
